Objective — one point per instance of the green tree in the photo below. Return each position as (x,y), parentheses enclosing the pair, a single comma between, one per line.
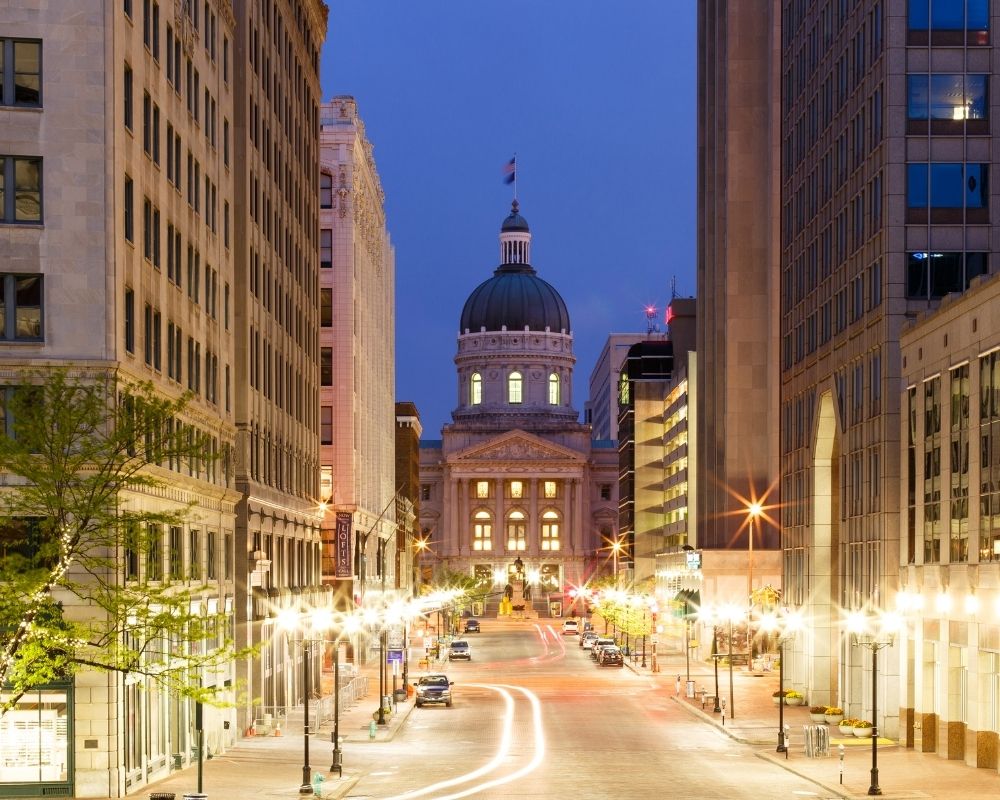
(79,547)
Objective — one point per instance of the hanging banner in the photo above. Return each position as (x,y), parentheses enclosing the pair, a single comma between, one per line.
(343,567)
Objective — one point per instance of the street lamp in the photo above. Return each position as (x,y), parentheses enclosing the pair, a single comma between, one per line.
(785,627)
(315,623)
(350,626)
(873,632)
(728,613)
(753,511)
(616,549)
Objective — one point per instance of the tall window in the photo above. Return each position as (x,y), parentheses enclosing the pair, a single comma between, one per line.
(550,490)
(24,175)
(154,553)
(326,366)
(482,531)
(550,530)
(194,555)
(989,456)
(476,389)
(932,471)
(325,190)
(127,100)
(517,529)
(326,248)
(326,308)
(326,425)
(129,321)
(514,382)
(553,389)
(21,307)
(483,490)
(129,209)
(22,85)
(515,490)
(959,464)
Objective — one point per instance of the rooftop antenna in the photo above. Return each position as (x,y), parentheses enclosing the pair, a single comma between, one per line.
(651,326)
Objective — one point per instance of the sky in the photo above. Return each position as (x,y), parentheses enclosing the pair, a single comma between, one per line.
(597,99)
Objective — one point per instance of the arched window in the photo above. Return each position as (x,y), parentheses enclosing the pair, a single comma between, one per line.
(553,389)
(517,530)
(514,387)
(476,389)
(550,530)
(482,531)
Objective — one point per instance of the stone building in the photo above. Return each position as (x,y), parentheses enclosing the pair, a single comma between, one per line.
(515,481)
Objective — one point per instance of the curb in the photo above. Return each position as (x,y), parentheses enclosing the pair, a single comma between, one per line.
(695,712)
(836,791)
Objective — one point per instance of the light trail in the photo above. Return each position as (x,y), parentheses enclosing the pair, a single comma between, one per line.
(502,753)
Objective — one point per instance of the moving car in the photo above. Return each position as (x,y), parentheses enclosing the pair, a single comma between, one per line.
(459,649)
(571,627)
(434,689)
(587,639)
(472,626)
(611,656)
(599,643)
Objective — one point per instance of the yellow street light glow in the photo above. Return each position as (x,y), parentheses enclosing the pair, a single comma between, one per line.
(320,619)
(287,619)
(755,508)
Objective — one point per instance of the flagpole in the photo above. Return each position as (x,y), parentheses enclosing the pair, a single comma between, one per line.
(515,175)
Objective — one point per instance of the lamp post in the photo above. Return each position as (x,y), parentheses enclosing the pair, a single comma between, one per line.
(753,512)
(785,626)
(874,632)
(616,549)
(715,658)
(312,625)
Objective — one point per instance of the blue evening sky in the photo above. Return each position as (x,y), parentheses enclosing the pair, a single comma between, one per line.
(598,101)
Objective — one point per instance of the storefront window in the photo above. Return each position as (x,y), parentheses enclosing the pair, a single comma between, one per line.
(34,738)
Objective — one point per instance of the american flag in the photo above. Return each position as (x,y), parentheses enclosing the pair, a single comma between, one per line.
(510,171)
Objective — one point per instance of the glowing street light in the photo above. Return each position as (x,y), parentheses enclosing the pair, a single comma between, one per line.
(785,626)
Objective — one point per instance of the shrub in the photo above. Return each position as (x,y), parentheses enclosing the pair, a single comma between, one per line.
(793,693)
(862,723)
(834,710)
(817,710)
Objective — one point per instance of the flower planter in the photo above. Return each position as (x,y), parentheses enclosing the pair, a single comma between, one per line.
(833,719)
(846,730)
(818,718)
(793,701)
(863,733)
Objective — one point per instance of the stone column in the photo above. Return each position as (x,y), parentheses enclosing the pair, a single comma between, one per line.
(499,526)
(462,521)
(534,546)
(579,519)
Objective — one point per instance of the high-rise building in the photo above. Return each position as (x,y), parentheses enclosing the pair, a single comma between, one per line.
(738,205)
(601,408)
(357,360)
(272,215)
(118,257)
(516,491)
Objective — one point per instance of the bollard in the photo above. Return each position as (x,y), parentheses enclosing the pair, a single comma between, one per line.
(372,727)
(841,748)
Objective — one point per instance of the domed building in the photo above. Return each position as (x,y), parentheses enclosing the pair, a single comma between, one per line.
(515,488)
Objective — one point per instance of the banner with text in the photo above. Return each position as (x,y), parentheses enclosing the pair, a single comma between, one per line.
(342,566)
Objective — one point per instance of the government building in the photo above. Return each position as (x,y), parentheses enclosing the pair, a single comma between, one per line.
(516,485)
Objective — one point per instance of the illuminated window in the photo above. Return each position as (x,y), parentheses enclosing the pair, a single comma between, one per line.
(482,489)
(482,531)
(550,490)
(515,490)
(514,388)
(517,529)
(553,389)
(476,389)
(550,530)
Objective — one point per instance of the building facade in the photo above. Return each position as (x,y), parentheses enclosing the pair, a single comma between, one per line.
(601,408)
(948,596)
(117,261)
(274,225)
(357,360)
(515,483)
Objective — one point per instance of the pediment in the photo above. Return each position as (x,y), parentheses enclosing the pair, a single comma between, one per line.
(516,446)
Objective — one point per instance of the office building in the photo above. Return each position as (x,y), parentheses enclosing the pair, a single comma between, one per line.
(601,408)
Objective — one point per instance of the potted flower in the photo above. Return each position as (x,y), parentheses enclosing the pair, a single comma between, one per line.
(834,715)
(817,713)
(776,697)
(863,729)
(846,726)
(793,698)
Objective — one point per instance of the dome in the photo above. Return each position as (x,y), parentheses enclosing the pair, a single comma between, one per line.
(515,297)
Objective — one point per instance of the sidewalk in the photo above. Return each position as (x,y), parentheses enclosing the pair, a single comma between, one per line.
(903,773)
(271,766)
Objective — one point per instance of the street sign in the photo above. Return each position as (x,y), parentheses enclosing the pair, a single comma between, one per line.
(394,656)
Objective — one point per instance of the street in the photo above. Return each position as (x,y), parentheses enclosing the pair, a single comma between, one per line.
(533,716)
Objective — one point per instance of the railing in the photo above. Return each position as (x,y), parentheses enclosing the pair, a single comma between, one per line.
(349,694)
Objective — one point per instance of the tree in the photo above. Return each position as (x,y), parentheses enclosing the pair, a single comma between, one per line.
(80,550)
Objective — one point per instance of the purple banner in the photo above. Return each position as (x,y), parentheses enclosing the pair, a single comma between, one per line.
(343,566)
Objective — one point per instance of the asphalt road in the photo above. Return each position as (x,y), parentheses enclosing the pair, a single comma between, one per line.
(534,717)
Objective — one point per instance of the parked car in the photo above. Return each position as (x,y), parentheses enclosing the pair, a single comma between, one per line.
(472,626)
(433,689)
(587,639)
(611,656)
(570,627)
(459,649)
(599,643)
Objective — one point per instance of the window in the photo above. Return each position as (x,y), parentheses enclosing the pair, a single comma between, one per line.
(210,569)
(550,490)
(514,388)
(515,490)
(942,191)
(476,389)
(24,204)
(129,321)
(127,102)
(22,85)
(326,248)
(129,200)
(483,490)
(933,275)
(194,555)
(605,491)
(550,530)
(326,425)
(948,22)
(482,531)
(325,190)
(947,97)
(154,553)
(516,531)
(20,307)
(425,491)
(176,553)
(225,141)
(326,308)
(553,389)
(326,366)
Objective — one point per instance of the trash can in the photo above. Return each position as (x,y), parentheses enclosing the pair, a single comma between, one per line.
(399,695)
(690,689)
